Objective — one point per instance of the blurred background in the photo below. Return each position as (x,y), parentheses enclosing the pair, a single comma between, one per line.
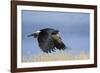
(73,26)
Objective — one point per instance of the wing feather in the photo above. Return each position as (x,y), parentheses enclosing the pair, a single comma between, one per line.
(45,42)
(58,42)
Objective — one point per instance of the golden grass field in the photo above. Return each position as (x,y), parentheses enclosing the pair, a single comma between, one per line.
(56,56)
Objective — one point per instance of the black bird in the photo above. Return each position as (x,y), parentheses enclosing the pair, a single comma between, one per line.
(49,40)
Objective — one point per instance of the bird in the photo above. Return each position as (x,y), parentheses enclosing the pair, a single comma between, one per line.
(49,40)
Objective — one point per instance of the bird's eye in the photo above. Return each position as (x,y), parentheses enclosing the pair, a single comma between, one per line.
(54,33)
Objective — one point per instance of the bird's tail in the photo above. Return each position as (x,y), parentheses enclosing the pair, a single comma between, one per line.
(30,35)
(35,35)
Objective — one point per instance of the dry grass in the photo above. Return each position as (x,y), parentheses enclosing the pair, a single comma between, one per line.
(56,56)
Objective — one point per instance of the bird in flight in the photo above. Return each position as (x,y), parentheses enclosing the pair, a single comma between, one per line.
(48,40)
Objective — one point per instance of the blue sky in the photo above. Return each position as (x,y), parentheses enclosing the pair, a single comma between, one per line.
(74,29)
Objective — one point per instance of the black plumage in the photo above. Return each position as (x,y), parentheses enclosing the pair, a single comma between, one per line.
(49,40)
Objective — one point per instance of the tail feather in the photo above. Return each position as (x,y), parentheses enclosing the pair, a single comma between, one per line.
(30,35)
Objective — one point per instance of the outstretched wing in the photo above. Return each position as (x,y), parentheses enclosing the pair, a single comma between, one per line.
(45,42)
(58,42)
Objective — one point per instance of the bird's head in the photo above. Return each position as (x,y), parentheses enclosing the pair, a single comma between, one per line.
(55,32)
(50,30)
